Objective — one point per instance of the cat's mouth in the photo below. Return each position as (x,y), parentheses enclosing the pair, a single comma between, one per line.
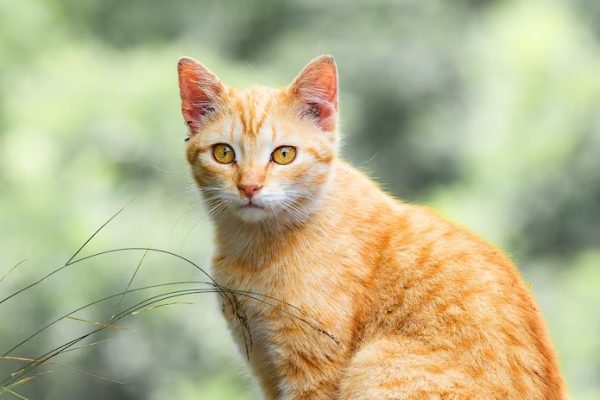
(252,212)
(251,205)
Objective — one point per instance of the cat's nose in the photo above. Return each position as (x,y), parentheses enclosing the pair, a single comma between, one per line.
(249,190)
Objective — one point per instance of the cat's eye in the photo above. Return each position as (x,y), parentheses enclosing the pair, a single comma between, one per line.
(283,155)
(223,153)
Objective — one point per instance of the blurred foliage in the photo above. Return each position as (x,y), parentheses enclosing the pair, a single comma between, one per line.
(485,109)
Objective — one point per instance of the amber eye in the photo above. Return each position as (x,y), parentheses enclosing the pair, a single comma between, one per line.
(223,153)
(284,155)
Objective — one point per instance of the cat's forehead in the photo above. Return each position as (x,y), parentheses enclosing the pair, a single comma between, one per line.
(255,93)
(255,108)
(254,100)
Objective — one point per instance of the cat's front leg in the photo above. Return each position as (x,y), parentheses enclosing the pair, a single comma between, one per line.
(324,391)
(311,371)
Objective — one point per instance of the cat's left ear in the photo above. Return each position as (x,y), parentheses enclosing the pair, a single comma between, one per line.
(200,92)
(315,91)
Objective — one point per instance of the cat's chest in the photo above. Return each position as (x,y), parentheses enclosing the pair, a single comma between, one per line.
(278,310)
(273,296)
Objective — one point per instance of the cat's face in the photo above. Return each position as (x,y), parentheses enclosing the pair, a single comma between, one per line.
(260,154)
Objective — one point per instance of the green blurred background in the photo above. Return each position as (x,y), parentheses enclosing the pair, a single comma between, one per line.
(485,109)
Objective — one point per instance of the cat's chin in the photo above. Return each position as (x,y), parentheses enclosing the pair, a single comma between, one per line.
(253,213)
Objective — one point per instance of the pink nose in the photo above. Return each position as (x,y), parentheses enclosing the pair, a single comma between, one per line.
(249,190)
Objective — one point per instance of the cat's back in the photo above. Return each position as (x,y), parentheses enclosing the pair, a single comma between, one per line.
(456,296)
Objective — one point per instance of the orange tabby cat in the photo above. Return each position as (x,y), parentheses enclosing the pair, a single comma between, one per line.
(407,304)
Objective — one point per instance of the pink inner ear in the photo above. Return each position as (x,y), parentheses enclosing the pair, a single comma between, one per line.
(317,88)
(199,89)
(322,113)
(194,116)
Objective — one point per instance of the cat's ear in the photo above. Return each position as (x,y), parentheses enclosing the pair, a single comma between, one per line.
(200,92)
(315,91)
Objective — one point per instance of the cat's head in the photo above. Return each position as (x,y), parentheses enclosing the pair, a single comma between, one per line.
(259,153)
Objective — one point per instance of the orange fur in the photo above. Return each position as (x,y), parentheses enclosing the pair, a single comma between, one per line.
(396,302)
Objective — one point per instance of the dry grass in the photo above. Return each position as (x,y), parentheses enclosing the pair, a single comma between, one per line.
(171,297)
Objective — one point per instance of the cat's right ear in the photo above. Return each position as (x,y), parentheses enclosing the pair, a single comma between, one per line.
(200,91)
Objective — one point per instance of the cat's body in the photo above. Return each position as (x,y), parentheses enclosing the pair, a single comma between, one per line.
(386,300)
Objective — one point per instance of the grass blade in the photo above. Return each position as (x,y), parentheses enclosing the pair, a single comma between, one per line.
(11,270)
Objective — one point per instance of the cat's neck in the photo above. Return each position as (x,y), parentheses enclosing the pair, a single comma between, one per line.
(259,243)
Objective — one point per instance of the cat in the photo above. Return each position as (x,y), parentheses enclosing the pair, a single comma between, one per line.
(379,299)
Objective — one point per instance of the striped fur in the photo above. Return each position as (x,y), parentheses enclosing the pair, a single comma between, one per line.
(408,305)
